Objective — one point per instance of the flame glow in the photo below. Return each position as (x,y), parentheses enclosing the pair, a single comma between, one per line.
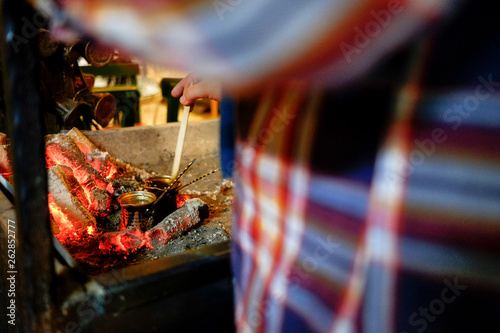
(66,228)
(69,230)
(112,172)
(181,199)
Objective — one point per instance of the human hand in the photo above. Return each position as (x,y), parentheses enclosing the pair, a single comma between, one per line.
(191,88)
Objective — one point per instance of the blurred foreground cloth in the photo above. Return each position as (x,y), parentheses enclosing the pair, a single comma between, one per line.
(375,207)
(245,43)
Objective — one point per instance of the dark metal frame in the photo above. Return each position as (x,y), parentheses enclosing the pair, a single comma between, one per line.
(34,251)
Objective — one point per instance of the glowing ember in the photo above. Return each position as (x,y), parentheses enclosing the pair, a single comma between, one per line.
(61,150)
(181,199)
(111,173)
(125,241)
(66,226)
(100,161)
(95,188)
(5,166)
(132,239)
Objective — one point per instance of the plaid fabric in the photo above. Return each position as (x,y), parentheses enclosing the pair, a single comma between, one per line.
(272,195)
(334,233)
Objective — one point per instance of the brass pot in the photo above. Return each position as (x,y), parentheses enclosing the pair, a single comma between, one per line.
(137,208)
(166,204)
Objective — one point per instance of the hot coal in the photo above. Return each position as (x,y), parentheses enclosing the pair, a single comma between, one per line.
(62,150)
(71,218)
(127,241)
(5,165)
(108,166)
(99,160)
(122,242)
(190,214)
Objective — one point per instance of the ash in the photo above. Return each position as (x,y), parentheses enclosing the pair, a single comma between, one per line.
(194,239)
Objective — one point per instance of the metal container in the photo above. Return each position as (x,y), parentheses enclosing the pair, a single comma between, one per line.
(137,209)
(166,204)
(103,105)
(70,110)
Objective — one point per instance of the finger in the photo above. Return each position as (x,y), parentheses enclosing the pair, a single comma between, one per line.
(204,89)
(178,90)
(192,93)
(180,87)
(186,101)
(209,89)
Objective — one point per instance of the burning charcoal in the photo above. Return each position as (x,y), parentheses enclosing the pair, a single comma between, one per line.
(107,166)
(62,150)
(67,211)
(5,165)
(100,202)
(81,140)
(132,239)
(3,139)
(70,222)
(97,200)
(61,181)
(122,242)
(190,214)
(101,161)
(181,199)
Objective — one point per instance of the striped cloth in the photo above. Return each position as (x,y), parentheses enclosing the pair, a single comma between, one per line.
(375,208)
(245,43)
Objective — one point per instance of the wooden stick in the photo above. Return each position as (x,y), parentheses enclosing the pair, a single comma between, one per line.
(180,140)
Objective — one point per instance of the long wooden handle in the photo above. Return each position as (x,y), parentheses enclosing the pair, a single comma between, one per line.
(180,141)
